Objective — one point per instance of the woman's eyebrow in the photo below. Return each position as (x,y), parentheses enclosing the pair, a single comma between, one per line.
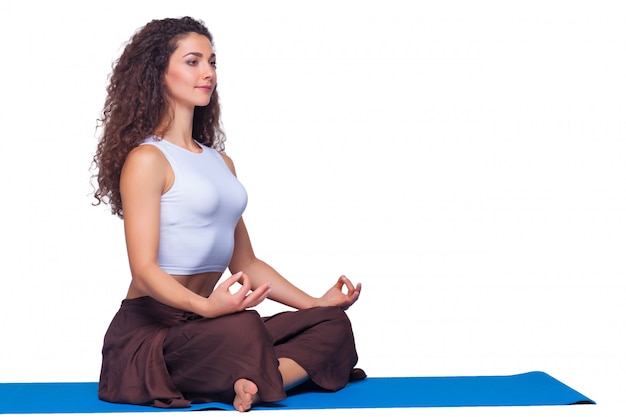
(198,54)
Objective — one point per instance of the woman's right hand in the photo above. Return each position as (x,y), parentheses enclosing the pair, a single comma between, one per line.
(222,301)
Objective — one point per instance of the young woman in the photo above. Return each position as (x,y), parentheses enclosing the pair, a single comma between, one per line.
(178,336)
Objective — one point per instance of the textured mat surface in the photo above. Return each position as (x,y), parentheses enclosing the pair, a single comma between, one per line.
(529,389)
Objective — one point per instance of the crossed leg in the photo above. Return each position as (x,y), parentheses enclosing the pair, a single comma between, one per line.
(312,338)
(246,391)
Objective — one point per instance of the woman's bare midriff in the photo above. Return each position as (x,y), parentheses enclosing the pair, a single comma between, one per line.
(202,284)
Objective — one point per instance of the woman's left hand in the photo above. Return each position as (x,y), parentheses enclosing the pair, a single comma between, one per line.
(336,297)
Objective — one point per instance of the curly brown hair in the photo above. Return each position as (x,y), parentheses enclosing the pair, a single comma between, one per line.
(136,103)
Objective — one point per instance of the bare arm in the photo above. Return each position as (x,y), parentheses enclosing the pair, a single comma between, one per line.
(260,273)
(146,175)
(283,291)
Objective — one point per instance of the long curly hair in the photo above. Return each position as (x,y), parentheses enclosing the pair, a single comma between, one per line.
(136,103)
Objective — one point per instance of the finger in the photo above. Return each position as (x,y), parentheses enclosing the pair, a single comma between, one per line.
(257,296)
(231,280)
(246,285)
(352,298)
(340,282)
(243,291)
(348,284)
(350,302)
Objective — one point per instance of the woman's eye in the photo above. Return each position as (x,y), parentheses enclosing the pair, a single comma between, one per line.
(192,62)
(213,64)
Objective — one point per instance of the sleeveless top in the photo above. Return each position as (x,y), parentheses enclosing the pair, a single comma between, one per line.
(199,212)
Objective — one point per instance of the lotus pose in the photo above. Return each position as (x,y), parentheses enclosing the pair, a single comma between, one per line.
(179,336)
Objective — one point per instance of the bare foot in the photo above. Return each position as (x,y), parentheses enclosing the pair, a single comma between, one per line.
(246,394)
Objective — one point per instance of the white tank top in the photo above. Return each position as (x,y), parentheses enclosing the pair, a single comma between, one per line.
(199,212)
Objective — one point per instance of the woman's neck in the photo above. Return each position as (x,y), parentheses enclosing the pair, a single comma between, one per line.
(179,130)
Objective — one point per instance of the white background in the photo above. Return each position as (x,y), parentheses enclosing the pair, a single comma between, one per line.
(464,160)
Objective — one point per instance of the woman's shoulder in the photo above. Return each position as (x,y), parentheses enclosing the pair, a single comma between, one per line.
(146,153)
(228,161)
(146,169)
(145,158)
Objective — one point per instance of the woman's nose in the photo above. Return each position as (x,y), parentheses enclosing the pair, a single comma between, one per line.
(209,72)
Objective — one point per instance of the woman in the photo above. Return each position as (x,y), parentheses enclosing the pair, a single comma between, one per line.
(178,336)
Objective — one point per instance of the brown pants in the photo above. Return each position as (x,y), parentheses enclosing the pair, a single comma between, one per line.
(157,355)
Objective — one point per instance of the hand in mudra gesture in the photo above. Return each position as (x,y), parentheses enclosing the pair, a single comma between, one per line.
(336,296)
(222,301)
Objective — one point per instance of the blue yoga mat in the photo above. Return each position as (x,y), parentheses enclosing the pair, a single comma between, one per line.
(529,389)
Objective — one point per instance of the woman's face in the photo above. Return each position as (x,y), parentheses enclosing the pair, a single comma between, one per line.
(190,76)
